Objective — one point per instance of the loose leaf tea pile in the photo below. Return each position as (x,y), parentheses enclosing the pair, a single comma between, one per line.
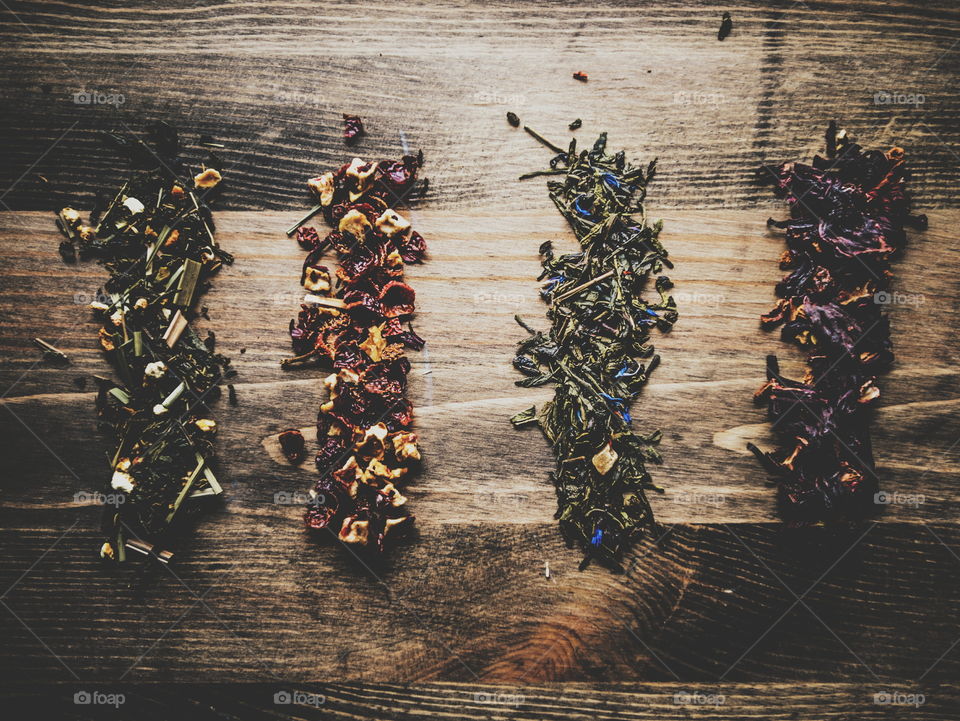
(597,351)
(354,323)
(155,237)
(847,218)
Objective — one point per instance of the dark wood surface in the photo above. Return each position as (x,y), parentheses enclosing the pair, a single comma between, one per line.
(464,607)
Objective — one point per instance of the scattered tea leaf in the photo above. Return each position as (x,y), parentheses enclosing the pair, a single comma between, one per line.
(597,353)
(154,238)
(726,25)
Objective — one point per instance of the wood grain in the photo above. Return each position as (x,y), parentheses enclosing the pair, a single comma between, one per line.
(255,600)
(464,608)
(477,467)
(580,702)
(467,598)
(272,79)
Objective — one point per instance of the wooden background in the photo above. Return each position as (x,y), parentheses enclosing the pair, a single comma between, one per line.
(783,623)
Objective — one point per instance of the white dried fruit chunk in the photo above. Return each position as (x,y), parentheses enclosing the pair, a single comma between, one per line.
(392,223)
(155,369)
(133,205)
(375,344)
(323,186)
(405,446)
(378,431)
(362,173)
(355,223)
(70,217)
(377,469)
(396,498)
(316,280)
(393,523)
(605,459)
(207,178)
(330,382)
(122,481)
(355,531)
(394,260)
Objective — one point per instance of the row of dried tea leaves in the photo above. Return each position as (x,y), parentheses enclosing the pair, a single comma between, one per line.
(155,237)
(597,351)
(353,322)
(847,217)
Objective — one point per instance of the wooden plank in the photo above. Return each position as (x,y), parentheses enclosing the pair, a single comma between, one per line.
(470,602)
(477,467)
(465,607)
(422,702)
(272,79)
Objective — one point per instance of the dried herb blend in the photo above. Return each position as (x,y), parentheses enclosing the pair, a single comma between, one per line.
(155,237)
(847,217)
(597,352)
(352,321)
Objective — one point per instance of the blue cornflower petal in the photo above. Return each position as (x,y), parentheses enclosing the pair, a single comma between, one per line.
(597,537)
(610,179)
(581,211)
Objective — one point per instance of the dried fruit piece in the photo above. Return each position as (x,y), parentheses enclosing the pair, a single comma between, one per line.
(847,217)
(293,445)
(366,447)
(353,128)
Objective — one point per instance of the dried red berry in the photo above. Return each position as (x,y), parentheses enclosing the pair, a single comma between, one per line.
(353,128)
(292,443)
(307,237)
